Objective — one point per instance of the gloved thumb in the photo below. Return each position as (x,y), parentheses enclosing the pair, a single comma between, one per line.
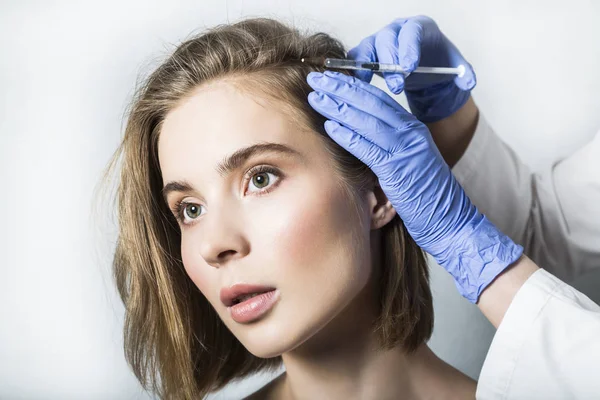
(468,80)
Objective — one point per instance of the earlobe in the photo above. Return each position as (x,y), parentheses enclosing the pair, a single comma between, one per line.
(382,210)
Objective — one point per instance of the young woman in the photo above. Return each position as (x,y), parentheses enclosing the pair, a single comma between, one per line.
(248,237)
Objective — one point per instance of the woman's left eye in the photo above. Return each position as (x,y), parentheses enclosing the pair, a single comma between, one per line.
(262,178)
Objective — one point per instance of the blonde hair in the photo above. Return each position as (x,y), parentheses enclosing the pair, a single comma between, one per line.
(174,340)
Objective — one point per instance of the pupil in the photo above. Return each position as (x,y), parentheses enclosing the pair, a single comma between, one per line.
(192,210)
(261,180)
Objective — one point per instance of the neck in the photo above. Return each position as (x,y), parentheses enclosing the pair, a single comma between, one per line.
(344,361)
(357,373)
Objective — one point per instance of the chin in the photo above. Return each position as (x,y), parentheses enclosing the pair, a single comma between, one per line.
(267,338)
(274,336)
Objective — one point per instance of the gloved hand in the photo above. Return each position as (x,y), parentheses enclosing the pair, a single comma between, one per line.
(411,42)
(412,173)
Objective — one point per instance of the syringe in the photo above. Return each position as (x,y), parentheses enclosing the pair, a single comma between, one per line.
(339,63)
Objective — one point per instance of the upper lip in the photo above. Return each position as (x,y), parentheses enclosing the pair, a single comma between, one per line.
(228,295)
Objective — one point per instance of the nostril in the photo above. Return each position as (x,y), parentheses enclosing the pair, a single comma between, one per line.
(224,255)
(226,252)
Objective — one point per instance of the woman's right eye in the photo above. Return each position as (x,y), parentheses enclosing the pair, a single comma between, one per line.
(187,212)
(192,211)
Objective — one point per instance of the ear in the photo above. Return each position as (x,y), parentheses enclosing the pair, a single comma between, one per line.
(380,208)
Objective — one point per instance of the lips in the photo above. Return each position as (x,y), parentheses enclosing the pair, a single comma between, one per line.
(249,303)
(241,292)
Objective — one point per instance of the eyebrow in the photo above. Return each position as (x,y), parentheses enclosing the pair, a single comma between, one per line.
(233,162)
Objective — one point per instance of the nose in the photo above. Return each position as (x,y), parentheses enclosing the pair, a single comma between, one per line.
(223,238)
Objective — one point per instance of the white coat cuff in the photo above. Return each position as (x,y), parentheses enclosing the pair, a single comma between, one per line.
(495,380)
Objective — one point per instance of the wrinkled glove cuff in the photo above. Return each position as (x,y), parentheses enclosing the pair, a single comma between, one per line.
(436,102)
(477,256)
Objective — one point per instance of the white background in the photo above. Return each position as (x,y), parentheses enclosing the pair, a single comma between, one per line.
(67,71)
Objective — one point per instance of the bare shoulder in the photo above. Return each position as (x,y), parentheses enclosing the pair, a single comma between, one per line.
(462,387)
(271,390)
(467,390)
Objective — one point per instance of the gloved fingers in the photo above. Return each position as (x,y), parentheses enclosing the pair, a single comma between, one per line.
(366,103)
(409,44)
(469,79)
(365,51)
(368,126)
(357,93)
(335,109)
(354,143)
(386,49)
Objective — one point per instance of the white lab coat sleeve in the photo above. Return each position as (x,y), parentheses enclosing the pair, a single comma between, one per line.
(546,347)
(555,215)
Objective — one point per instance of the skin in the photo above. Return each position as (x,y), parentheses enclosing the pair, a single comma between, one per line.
(296,237)
(453,134)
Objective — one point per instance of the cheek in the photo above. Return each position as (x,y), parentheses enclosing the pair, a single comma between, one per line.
(203,276)
(303,231)
(316,232)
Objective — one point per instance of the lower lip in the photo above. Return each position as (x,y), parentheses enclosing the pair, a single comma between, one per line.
(254,308)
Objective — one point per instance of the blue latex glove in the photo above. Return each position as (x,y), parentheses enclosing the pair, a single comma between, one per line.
(411,42)
(399,149)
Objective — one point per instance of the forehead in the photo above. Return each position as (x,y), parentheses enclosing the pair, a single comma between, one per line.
(218,119)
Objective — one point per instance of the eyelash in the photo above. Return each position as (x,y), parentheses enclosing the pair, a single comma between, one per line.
(179,207)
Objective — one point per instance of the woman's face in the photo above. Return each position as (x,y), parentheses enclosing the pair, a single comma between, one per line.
(272,218)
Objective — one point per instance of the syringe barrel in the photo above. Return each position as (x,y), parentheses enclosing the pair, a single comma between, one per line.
(343,64)
(390,68)
(354,64)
